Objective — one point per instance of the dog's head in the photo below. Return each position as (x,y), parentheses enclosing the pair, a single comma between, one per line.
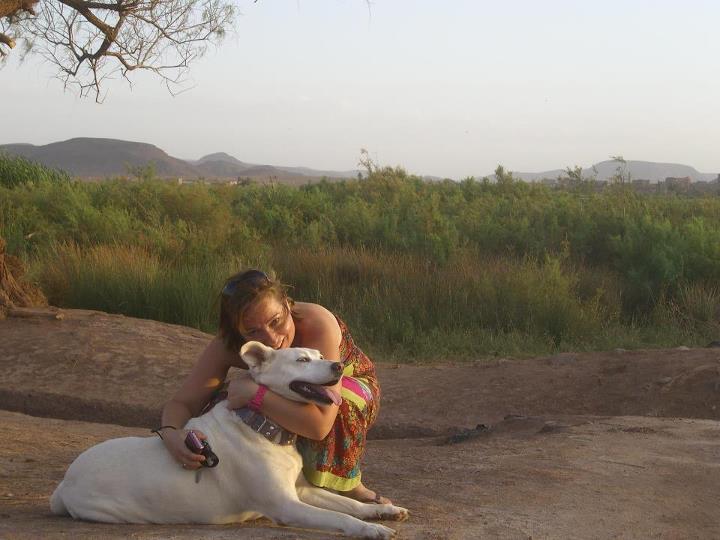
(295,373)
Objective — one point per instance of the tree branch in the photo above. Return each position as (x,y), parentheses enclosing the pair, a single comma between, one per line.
(90,41)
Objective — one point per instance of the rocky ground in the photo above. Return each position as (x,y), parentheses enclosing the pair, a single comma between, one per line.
(623,444)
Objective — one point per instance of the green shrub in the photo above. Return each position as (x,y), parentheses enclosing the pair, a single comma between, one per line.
(418,269)
(17,171)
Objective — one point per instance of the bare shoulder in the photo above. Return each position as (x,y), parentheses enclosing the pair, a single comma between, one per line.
(316,323)
(217,354)
(207,374)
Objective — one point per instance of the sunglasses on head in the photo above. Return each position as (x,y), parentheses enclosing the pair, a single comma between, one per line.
(251,277)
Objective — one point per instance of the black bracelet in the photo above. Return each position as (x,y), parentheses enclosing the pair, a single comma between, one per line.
(158,430)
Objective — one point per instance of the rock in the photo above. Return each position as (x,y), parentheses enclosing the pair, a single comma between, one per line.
(45,313)
(467,434)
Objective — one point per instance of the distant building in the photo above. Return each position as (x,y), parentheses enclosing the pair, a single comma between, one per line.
(678,184)
(642,185)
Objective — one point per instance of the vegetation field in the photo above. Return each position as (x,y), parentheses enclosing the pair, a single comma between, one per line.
(419,270)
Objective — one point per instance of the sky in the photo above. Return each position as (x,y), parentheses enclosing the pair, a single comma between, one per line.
(445,88)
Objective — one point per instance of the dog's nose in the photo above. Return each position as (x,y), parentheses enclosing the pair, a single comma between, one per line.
(336,368)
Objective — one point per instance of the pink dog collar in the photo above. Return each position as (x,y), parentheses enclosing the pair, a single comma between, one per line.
(257,400)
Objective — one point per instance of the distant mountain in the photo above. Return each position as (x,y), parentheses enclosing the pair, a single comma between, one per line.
(655,172)
(222,164)
(267,171)
(223,161)
(223,157)
(89,157)
(639,170)
(221,169)
(97,158)
(304,171)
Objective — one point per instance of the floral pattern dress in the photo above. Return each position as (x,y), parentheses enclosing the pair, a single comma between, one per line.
(334,462)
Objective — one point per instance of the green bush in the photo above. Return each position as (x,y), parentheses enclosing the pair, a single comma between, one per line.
(418,269)
(16,171)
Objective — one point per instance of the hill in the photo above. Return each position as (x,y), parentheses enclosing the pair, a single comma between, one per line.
(222,157)
(224,165)
(648,170)
(92,157)
(88,157)
(645,170)
(98,158)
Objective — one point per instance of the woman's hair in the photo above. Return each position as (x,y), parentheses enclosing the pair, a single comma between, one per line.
(239,293)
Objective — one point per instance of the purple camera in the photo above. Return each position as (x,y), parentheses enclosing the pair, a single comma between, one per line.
(197,446)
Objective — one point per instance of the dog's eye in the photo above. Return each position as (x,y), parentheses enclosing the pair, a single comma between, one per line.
(303,359)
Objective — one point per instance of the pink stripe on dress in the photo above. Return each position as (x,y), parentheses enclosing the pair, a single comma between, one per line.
(356,388)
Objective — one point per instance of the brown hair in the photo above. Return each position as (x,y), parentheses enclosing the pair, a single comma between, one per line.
(240,291)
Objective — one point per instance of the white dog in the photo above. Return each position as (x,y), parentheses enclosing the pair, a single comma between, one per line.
(136,480)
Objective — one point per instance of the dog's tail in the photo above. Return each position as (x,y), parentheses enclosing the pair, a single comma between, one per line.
(57,506)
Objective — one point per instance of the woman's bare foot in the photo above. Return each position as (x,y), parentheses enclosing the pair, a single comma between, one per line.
(363,494)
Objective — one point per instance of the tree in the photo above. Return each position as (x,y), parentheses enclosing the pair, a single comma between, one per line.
(622,171)
(574,177)
(12,9)
(503,177)
(90,41)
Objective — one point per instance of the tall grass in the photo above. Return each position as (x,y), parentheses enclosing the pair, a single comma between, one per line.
(418,270)
(133,281)
(17,170)
(406,307)
(399,307)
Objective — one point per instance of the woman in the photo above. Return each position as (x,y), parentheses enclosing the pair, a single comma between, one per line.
(256,307)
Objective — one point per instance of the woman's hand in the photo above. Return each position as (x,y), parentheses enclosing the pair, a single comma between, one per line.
(174,440)
(240,391)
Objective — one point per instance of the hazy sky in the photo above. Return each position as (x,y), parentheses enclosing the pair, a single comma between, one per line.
(447,88)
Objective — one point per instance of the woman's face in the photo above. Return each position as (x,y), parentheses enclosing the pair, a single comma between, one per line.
(269,321)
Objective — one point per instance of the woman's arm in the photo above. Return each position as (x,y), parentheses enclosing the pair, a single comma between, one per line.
(317,329)
(306,419)
(205,377)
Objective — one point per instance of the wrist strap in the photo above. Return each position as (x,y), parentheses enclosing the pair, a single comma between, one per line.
(159,429)
(257,400)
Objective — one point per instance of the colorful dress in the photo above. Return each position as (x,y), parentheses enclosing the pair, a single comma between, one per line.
(334,462)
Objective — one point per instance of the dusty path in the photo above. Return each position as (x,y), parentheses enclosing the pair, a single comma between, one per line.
(601,445)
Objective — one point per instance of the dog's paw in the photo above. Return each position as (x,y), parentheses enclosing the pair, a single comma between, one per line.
(379,532)
(392,512)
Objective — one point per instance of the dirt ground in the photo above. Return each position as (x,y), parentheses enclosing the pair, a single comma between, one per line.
(622,444)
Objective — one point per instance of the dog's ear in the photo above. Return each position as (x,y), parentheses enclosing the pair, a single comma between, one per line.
(254,354)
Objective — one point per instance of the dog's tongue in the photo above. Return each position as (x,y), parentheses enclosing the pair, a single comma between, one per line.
(332,394)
